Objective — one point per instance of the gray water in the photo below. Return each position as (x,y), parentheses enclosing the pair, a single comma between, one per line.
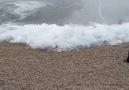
(73,11)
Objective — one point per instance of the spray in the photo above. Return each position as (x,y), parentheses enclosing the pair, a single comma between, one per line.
(100,12)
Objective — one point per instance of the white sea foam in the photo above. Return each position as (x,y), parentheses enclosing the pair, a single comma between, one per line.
(23,8)
(64,37)
(27,6)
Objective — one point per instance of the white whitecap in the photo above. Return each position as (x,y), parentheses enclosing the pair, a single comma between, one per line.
(64,37)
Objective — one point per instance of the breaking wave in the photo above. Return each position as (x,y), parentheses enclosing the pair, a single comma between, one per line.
(52,36)
(67,37)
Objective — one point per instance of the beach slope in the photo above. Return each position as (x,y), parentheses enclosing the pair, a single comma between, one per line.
(95,68)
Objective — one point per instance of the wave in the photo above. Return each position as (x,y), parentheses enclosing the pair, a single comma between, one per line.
(63,38)
(38,12)
(19,10)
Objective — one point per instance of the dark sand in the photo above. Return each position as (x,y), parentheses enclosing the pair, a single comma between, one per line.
(96,68)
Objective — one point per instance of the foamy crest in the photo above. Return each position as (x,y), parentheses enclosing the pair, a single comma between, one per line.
(65,37)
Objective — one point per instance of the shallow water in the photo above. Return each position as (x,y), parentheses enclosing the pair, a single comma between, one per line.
(64,25)
(76,11)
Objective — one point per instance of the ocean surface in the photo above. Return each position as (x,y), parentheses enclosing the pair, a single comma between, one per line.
(64,24)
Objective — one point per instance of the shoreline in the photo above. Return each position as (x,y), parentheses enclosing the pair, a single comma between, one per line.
(24,68)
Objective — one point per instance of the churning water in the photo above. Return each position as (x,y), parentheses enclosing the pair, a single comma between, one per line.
(61,25)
